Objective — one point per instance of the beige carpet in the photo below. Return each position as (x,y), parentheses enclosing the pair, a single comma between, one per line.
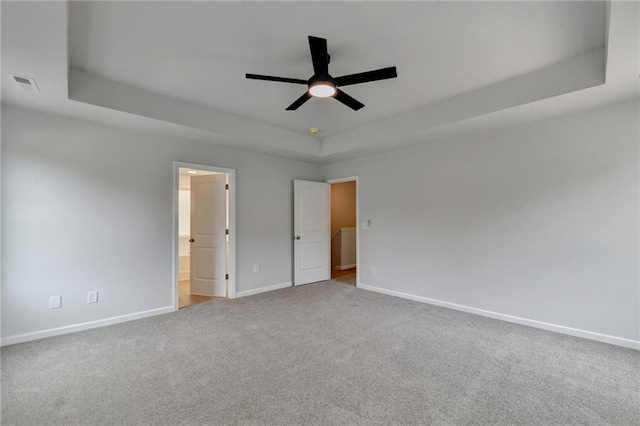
(324,353)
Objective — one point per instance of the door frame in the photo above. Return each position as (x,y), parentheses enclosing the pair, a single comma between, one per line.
(341,180)
(231,173)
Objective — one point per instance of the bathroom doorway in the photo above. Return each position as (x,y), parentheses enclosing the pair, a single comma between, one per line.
(204,235)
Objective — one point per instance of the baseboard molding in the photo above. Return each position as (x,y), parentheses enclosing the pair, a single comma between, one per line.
(264,289)
(344,267)
(605,338)
(26,337)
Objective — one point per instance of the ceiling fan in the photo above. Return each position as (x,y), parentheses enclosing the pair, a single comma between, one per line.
(322,84)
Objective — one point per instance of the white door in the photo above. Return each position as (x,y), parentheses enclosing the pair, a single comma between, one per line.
(208,235)
(311,223)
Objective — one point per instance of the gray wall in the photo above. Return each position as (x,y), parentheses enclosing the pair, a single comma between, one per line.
(538,221)
(89,207)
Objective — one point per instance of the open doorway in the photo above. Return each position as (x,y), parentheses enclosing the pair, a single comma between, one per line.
(344,231)
(204,234)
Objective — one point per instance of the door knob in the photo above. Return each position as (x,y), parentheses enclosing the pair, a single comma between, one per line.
(297,237)
(191,240)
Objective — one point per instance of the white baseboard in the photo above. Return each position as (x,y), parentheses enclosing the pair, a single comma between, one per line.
(618,341)
(26,337)
(344,267)
(264,289)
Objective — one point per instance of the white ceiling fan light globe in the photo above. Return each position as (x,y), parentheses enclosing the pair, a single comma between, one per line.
(322,90)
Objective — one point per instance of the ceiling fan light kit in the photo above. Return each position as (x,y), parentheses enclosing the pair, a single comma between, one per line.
(322,84)
(322,89)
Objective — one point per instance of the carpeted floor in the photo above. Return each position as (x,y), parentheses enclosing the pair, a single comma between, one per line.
(325,353)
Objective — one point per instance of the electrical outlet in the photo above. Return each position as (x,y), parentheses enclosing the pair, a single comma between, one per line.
(92,297)
(372,269)
(256,268)
(55,302)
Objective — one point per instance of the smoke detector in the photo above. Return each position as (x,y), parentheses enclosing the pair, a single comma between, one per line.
(25,83)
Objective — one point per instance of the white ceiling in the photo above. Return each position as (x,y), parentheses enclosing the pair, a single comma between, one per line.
(199,52)
(185,171)
(178,67)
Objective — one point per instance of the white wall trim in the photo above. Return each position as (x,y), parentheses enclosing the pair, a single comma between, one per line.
(26,337)
(264,289)
(585,334)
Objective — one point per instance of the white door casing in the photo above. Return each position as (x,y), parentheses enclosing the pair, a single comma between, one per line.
(208,235)
(311,224)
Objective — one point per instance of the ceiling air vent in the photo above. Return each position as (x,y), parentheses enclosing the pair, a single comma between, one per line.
(25,83)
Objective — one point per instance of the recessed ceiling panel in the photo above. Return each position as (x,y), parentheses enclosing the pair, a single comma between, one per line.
(199,52)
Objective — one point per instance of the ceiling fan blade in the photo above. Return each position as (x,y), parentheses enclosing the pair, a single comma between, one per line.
(348,100)
(302,99)
(363,77)
(319,56)
(280,79)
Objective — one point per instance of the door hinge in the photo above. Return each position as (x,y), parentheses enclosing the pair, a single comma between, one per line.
(226,231)
(226,186)
(226,276)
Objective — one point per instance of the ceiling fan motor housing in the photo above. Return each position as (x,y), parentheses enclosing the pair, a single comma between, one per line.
(323,78)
